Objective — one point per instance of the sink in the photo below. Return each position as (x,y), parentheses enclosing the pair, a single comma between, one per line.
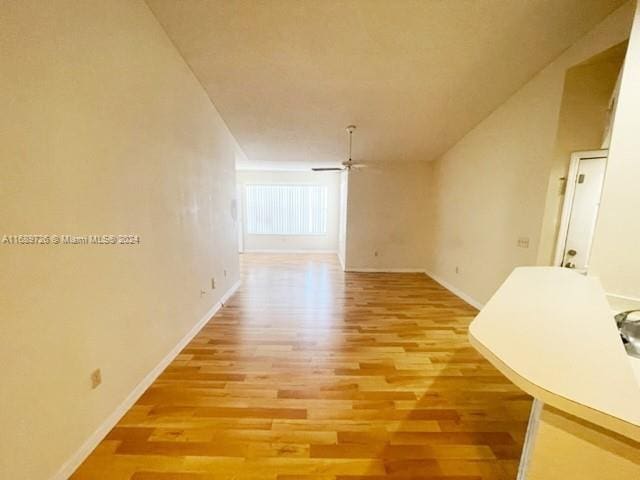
(628,323)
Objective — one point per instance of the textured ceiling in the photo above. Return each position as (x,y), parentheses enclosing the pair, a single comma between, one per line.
(414,76)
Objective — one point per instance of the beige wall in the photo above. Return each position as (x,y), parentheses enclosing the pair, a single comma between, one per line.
(615,256)
(386,214)
(584,114)
(342,227)
(295,243)
(489,189)
(104,131)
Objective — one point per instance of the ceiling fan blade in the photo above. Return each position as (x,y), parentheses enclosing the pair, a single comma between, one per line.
(327,169)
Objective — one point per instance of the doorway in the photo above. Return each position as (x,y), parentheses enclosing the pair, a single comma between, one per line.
(584,125)
(580,209)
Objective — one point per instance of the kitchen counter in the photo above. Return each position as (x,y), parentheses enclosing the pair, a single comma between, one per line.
(551,332)
(635,365)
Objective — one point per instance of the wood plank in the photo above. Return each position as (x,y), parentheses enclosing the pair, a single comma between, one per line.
(309,373)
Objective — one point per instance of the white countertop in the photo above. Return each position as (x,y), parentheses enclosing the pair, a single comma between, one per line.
(551,331)
(635,365)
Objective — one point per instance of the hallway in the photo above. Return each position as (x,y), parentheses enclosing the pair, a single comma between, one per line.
(311,373)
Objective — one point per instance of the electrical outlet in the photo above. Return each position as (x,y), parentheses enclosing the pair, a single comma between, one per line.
(96,378)
(213,283)
(224,272)
(523,242)
(457,269)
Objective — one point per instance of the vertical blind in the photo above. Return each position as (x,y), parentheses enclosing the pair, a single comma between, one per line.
(286,209)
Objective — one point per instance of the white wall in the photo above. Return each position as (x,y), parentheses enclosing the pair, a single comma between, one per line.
(489,189)
(615,256)
(294,243)
(342,227)
(386,222)
(104,131)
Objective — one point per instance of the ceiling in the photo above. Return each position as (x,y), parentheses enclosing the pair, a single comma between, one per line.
(288,75)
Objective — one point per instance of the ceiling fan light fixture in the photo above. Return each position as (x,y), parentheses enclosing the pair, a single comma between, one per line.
(347,164)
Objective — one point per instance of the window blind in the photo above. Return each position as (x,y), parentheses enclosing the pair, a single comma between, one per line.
(286,209)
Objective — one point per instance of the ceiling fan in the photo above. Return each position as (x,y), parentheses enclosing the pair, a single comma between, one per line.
(347,164)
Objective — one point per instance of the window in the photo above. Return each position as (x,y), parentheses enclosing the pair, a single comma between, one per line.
(286,209)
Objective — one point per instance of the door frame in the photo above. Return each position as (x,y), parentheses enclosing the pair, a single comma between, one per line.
(570,190)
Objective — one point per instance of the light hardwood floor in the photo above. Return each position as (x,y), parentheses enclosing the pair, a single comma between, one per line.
(309,373)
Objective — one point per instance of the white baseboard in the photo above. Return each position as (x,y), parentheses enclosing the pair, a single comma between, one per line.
(229,293)
(96,437)
(290,251)
(457,292)
(384,270)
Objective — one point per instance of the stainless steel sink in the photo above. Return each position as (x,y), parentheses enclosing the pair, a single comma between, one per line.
(629,327)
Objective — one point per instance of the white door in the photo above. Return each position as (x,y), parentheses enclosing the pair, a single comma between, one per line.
(580,212)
